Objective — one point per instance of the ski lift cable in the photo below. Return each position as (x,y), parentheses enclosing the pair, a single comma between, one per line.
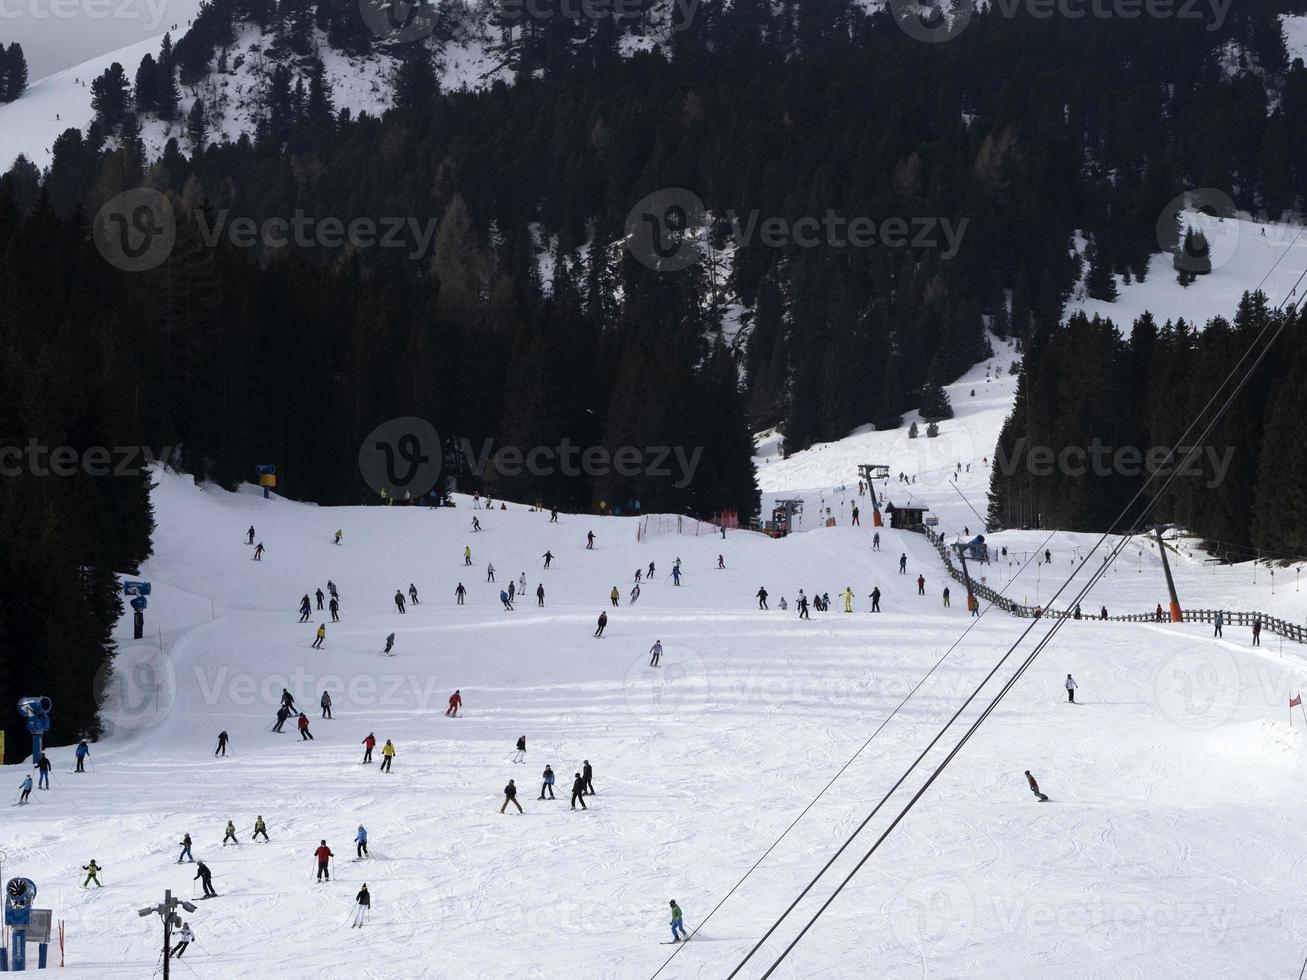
(1095,575)
(888,718)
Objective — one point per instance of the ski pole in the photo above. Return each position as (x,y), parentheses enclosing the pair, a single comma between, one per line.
(92,762)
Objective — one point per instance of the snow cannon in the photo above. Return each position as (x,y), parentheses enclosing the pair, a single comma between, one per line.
(21,919)
(36,712)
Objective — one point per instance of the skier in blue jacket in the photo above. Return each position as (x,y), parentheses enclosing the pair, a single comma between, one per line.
(548,785)
(361,839)
(82,752)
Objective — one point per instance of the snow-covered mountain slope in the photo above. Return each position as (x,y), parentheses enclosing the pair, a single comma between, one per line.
(1246,253)
(1179,748)
(981,399)
(30,125)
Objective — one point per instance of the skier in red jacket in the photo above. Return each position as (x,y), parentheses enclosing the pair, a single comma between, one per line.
(455,702)
(323,854)
(305,734)
(369,744)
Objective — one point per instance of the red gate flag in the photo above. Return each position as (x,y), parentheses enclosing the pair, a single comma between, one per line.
(1294,702)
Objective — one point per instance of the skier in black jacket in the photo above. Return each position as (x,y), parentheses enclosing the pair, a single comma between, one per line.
(588,775)
(222,744)
(578,791)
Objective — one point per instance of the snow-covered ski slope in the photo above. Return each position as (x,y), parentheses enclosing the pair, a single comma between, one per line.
(1246,253)
(1170,848)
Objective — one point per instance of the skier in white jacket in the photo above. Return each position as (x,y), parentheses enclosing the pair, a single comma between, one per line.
(1070,686)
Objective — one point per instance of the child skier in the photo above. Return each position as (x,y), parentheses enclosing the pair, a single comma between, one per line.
(186,849)
(510,796)
(548,785)
(260,828)
(26,787)
(92,874)
(230,835)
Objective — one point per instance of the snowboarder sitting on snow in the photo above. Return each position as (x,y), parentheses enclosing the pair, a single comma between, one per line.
(92,874)
(548,785)
(323,854)
(206,879)
(510,796)
(361,842)
(677,926)
(260,828)
(578,791)
(230,835)
(187,937)
(1034,787)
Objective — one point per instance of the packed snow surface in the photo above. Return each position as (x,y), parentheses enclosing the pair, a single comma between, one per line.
(1170,847)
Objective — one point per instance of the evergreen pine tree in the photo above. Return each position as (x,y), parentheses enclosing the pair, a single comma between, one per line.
(109,96)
